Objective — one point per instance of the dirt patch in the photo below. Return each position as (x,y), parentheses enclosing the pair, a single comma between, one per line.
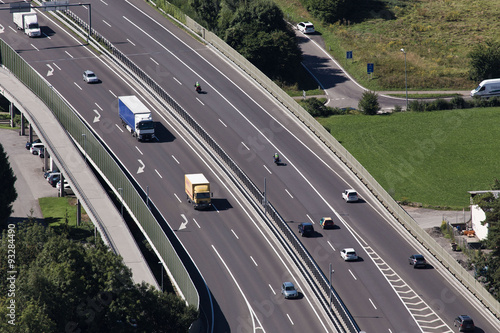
(445,243)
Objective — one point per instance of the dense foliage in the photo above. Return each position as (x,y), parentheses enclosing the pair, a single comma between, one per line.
(488,265)
(257,30)
(65,286)
(330,11)
(8,192)
(485,61)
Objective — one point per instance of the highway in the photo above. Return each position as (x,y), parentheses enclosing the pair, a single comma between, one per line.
(227,244)
(232,249)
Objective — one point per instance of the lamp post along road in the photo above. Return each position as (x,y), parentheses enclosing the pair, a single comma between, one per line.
(121,199)
(406,81)
(85,146)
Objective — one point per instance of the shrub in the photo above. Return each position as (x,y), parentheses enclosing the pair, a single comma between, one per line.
(397,108)
(368,104)
(458,102)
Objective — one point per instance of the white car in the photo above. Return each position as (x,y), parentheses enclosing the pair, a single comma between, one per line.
(306,27)
(36,148)
(58,186)
(350,195)
(348,254)
(90,77)
(67,187)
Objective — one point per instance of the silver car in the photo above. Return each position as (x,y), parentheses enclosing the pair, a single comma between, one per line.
(288,290)
(90,77)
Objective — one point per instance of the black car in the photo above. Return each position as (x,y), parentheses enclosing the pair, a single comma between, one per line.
(28,144)
(417,260)
(464,323)
(306,229)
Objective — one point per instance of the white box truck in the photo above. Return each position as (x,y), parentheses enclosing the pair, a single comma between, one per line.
(487,88)
(136,117)
(27,21)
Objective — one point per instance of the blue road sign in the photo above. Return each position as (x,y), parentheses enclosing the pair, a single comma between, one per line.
(369,68)
(348,55)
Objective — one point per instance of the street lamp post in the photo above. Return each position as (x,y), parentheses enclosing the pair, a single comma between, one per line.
(121,197)
(84,146)
(161,265)
(331,271)
(406,80)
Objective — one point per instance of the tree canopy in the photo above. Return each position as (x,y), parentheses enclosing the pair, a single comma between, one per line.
(8,192)
(257,30)
(485,61)
(66,286)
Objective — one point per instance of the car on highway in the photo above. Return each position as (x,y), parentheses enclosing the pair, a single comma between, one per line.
(90,77)
(306,27)
(288,290)
(417,260)
(306,229)
(464,324)
(350,195)
(35,148)
(348,254)
(326,223)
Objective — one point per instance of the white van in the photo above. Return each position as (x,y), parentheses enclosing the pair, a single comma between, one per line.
(487,88)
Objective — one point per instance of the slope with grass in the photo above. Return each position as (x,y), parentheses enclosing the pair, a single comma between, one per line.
(432,158)
(437,36)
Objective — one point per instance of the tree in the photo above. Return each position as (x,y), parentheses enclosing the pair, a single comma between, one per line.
(67,286)
(368,104)
(8,192)
(485,61)
(260,34)
(208,10)
(329,11)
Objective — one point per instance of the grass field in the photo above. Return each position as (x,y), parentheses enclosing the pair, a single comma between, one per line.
(59,211)
(432,158)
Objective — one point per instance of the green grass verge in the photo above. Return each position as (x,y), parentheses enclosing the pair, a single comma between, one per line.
(432,158)
(60,214)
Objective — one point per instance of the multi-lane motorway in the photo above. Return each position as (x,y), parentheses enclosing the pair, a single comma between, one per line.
(238,257)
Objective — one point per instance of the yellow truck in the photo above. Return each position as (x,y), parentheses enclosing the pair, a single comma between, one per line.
(198,190)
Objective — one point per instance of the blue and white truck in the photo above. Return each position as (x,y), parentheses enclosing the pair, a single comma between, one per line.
(136,117)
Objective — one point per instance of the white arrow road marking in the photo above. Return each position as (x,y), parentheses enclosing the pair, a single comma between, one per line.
(2,29)
(98,117)
(51,70)
(141,168)
(183,224)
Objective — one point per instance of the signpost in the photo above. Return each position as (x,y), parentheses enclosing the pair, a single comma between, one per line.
(369,69)
(348,55)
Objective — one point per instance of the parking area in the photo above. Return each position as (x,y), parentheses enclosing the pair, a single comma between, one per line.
(28,168)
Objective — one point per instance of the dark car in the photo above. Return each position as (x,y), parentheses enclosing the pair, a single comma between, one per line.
(464,323)
(417,260)
(28,144)
(306,229)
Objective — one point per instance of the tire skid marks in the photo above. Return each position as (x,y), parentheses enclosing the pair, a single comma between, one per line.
(424,316)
